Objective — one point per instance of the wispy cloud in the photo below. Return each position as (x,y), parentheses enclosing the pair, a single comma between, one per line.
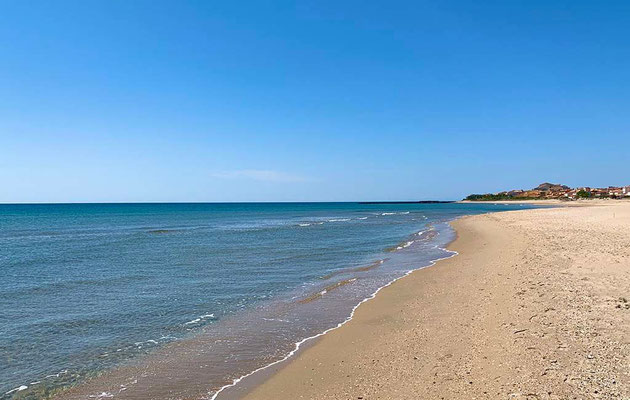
(261,175)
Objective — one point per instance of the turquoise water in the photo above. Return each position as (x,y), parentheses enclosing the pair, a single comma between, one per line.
(88,287)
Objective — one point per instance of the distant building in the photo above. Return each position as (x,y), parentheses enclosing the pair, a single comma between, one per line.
(555,191)
(571,194)
(614,191)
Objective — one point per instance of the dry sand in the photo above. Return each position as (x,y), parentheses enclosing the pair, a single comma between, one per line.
(536,306)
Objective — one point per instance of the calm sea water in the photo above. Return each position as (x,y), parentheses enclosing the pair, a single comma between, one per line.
(88,287)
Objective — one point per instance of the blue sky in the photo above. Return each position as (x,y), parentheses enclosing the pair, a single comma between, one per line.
(309,101)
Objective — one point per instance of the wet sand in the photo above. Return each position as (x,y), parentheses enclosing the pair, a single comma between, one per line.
(535,306)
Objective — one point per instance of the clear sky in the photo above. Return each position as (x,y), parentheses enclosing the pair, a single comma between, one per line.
(119,100)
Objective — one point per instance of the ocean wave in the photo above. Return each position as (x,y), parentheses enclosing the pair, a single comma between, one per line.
(325,290)
(355,269)
(396,213)
(305,224)
(276,319)
(400,246)
(17,389)
(428,234)
(55,287)
(162,231)
(200,319)
(139,345)
(24,387)
(405,245)
(409,243)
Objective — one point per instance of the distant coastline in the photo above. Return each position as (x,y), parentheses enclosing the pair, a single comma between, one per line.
(408,202)
(553,191)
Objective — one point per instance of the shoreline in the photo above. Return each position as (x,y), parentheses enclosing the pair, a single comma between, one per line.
(335,365)
(139,377)
(235,391)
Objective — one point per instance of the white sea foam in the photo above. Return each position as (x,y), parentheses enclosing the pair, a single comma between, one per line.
(389,213)
(404,212)
(404,246)
(201,318)
(304,224)
(109,394)
(57,375)
(103,395)
(362,218)
(323,292)
(339,220)
(298,344)
(24,387)
(17,389)
(276,319)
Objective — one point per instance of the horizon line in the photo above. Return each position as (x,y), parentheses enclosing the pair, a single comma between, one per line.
(217,202)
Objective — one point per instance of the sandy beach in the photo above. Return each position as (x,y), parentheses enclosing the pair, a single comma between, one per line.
(535,306)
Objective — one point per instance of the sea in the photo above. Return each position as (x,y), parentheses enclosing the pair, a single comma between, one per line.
(182,300)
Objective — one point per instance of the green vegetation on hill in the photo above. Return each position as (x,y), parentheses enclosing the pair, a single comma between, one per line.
(583,194)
